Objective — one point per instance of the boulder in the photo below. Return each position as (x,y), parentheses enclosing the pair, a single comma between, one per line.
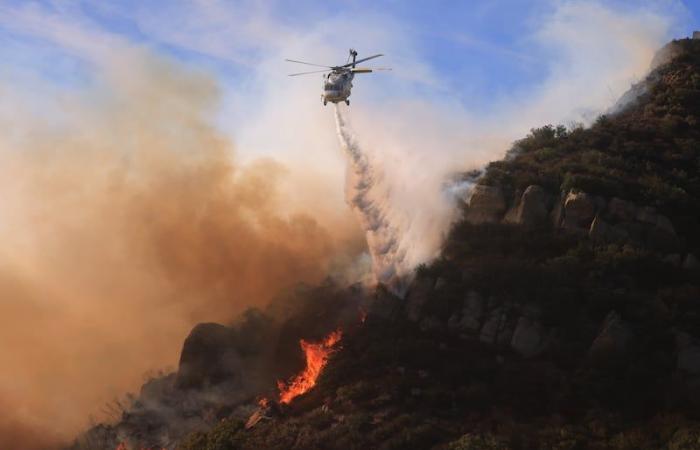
(649,216)
(664,223)
(505,334)
(557,214)
(494,325)
(528,338)
(691,262)
(469,319)
(604,232)
(621,210)
(613,340)
(579,210)
(486,204)
(532,209)
(646,214)
(209,356)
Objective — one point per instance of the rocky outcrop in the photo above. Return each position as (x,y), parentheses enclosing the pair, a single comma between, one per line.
(528,338)
(579,210)
(532,209)
(621,210)
(602,231)
(649,216)
(208,357)
(607,221)
(469,321)
(613,340)
(496,328)
(485,205)
(691,262)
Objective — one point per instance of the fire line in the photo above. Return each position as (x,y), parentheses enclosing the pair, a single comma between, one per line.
(316,354)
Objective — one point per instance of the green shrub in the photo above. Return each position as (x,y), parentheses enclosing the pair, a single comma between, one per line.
(478,442)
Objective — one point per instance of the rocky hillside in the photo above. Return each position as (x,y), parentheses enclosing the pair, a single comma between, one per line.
(564,313)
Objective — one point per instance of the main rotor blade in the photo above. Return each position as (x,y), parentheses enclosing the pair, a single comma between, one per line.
(363,59)
(368,69)
(306,73)
(308,64)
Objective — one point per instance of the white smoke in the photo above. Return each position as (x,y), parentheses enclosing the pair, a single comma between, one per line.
(392,233)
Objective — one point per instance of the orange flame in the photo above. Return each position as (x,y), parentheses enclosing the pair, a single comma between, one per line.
(316,358)
(124,446)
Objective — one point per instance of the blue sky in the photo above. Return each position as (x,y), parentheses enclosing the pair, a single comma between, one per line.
(479,74)
(479,48)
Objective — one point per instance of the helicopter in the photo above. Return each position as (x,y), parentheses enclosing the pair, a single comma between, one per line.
(337,83)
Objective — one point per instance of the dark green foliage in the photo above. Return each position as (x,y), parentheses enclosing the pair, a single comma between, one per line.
(649,153)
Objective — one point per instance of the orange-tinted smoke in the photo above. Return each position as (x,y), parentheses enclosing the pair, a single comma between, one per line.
(123,223)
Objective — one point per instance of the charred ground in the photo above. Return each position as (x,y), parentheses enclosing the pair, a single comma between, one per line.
(563,313)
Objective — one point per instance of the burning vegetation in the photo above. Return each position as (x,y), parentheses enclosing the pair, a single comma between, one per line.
(316,354)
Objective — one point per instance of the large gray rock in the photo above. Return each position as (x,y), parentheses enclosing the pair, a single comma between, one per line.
(528,338)
(621,210)
(664,223)
(649,216)
(469,319)
(691,262)
(557,214)
(486,204)
(604,232)
(532,209)
(209,357)
(494,327)
(579,210)
(613,340)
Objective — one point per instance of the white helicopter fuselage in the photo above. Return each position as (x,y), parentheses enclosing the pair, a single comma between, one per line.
(337,87)
(337,83)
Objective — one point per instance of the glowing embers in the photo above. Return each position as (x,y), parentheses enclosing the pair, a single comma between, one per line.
(316,354)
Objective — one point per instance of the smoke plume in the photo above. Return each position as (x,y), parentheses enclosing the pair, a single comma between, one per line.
(124,224)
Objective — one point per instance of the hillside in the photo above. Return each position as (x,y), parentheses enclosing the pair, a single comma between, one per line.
(564,313)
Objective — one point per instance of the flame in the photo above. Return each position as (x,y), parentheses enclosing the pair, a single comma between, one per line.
(316,358)
(124,446)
